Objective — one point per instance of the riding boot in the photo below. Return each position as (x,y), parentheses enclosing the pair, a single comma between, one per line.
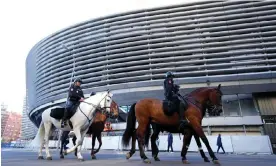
(64,119)
(182,120)
(169,105)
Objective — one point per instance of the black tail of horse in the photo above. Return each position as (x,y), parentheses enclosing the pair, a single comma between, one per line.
(130,126)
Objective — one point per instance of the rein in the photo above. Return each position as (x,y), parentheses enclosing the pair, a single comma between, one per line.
(95,106)
(193,101)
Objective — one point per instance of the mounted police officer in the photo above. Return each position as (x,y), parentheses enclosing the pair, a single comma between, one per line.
(75,95)
(171,95)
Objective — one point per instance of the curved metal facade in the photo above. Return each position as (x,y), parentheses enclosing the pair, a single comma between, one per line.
(203,41)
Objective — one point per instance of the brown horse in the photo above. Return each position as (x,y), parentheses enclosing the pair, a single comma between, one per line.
(149,110)
(95,129)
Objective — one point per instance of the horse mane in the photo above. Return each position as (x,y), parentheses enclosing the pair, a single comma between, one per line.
(197,90)
(91,97)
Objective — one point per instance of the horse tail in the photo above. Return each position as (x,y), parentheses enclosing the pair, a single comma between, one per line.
(39,138)
(130,126)
(147,135)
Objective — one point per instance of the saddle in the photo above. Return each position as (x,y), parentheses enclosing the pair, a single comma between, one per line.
(58,113)
(169,107)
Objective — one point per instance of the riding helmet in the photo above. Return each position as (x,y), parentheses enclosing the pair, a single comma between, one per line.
(78,80)
(169,74)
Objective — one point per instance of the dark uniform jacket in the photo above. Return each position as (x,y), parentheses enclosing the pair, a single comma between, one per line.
(219,143)
(75,93)
(170,139)
(170,89)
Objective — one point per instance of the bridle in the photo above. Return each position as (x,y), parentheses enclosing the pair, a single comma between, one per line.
(214,107)
(106,113)
(211,107)
(102,109)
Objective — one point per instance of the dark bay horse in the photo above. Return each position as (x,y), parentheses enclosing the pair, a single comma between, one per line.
(95,129)
(147,111)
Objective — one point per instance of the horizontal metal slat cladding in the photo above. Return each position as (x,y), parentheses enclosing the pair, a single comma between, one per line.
(195,40)
(150,22)
(252,35)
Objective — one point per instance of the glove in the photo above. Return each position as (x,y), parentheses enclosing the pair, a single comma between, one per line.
(176,88)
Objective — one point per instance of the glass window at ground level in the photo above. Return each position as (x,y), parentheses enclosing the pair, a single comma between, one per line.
(247,105)
(230,104)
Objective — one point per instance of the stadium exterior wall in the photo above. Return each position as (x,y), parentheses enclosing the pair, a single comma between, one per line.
(204,43)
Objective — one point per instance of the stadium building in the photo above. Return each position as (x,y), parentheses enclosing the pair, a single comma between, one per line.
(232,43)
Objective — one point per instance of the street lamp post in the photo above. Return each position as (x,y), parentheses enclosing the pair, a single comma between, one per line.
(72,74)
(73,71)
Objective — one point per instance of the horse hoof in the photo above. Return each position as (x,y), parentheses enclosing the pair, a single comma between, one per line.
(40,158)
(65,153)
(128,156)
(206,160)
(93,157)
(156,159)
(147,161)
(216,162)
(96,151)
(81,159)
(49,158)
(185,162)
(61,156)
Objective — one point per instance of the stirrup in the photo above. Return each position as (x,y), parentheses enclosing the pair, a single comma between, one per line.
(184,121)
(182,124)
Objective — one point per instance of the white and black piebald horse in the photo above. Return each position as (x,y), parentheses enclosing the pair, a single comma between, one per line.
(81,121)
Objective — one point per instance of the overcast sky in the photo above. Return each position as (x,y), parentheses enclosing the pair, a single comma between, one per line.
(26,22)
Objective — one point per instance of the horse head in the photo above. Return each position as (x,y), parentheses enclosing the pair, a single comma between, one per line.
(106,101)
(114,113)
(114,109)
(103,101)
(214,102)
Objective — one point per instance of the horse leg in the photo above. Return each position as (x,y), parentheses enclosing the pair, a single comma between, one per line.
(141,130)
(48,128)
(206,142)
(79,140)
(185,146)
(133,145)
(99,138)
(93,145)
(155,150)
(199,131)
(79,143)
(41,139)
(74,143)
(200,148)
(61,148)
(42,142)
(64,136)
